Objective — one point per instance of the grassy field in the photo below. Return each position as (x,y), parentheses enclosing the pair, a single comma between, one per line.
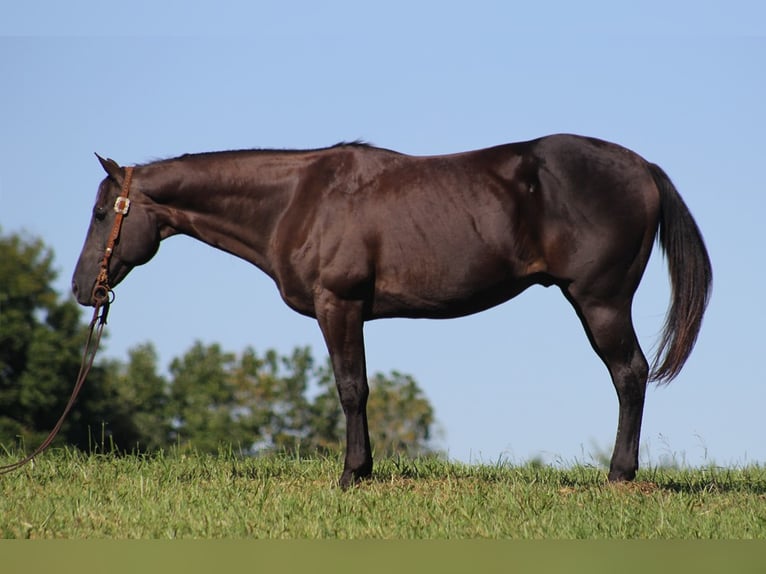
(71,495)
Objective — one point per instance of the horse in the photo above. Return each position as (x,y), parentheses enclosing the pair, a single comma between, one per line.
(353,232)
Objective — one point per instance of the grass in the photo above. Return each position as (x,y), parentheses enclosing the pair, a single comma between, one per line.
(67,494)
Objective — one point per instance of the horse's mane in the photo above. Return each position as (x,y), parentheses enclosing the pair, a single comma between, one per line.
(228,153)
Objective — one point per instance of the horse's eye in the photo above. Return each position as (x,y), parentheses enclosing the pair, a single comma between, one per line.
(99,213)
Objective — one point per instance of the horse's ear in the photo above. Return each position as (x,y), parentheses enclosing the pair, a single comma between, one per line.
(111,168)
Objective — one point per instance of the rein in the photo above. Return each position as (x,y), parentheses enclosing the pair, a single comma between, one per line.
(102,297)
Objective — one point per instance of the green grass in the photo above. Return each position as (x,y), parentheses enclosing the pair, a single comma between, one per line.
(72,495)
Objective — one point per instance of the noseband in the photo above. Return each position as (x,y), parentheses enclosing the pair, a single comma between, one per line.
(101,289)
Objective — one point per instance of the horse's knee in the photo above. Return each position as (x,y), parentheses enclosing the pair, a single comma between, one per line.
(353,395)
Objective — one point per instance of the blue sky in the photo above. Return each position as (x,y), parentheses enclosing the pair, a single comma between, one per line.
(681,84)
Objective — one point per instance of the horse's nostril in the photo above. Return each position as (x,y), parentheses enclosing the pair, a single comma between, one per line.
(75,288)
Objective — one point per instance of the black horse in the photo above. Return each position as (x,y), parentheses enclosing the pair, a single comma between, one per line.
(352,233)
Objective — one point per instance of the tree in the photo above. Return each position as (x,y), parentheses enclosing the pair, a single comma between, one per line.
(202,399)
(399,415)
(26,298)
(40,345)
(259,404)
(138,419)
(254,403)
(273,391)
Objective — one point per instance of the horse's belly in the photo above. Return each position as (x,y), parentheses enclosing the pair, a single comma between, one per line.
(430,292)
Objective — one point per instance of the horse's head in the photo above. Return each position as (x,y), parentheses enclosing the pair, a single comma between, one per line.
(137,242)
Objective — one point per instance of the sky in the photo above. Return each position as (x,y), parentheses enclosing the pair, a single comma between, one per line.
(683,84)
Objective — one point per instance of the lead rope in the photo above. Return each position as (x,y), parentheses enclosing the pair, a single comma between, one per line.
(103,297)
(88,356)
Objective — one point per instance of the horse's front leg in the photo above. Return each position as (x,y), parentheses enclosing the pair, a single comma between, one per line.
(342,326)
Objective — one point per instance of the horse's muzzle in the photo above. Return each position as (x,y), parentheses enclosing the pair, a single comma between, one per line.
(85,297)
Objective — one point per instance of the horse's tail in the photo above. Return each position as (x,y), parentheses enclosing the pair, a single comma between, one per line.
(691,278)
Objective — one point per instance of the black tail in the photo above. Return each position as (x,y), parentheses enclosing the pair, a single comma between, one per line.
(691,278)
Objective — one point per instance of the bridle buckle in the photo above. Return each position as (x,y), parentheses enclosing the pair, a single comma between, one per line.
(121,205)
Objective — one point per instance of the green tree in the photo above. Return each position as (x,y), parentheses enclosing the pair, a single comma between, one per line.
(26,298)
(40,344)
(272,390)
(254,403)
(203,400)
(138,419)
(400,416)
(259,404)
(401,419)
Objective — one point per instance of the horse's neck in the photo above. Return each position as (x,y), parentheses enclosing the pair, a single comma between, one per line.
(229,203)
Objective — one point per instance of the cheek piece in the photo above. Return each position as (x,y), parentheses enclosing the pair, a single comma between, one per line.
(101,289)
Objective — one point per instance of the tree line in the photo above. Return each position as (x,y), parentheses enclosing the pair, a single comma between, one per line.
(209,398)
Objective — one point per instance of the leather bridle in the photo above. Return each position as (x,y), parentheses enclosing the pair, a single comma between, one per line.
(101,289)
(102,299)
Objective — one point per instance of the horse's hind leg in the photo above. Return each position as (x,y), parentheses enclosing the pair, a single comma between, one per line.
(610,329)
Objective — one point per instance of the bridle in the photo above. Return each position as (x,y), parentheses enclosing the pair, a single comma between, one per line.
(102,299)
(101,290)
